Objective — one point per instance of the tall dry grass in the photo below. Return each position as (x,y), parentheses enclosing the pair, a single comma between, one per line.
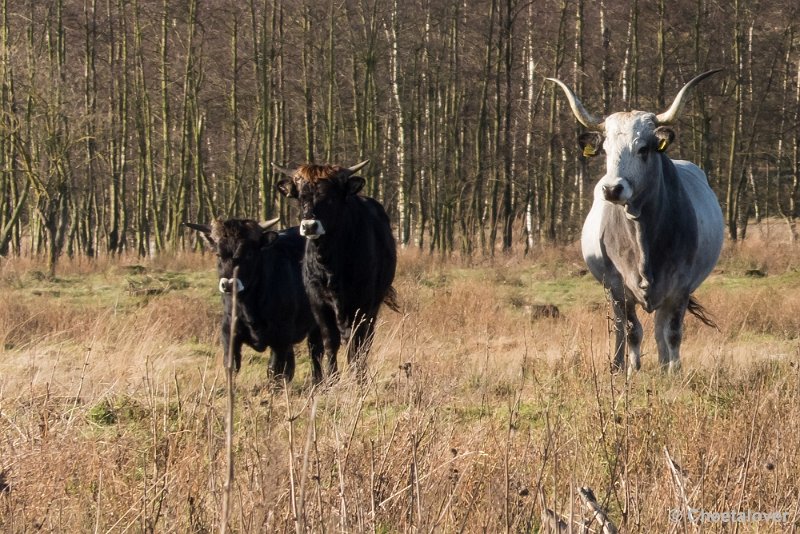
(476,415)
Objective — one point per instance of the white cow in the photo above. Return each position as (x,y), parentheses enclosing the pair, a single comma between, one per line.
(655,229)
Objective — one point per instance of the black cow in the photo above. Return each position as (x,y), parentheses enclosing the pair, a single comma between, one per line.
(350,257)
(272,307)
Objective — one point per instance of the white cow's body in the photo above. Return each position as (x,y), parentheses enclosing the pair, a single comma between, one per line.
(654,231)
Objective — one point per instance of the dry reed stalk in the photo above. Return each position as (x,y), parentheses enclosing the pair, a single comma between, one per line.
(229,385)
(598,513)
(297,517)
(306,452)
(80,385)
(97,505)
(748,454)
(677,478)
(552,523)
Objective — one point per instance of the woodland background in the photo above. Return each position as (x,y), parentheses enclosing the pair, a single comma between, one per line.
(122,118)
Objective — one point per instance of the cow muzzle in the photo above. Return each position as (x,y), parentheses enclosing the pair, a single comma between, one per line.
(311,228)
(617,192)
(226,285)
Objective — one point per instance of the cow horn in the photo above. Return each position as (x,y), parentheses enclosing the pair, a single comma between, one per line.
(674,111)
(584,117)
(269,224)
(206,229)
(357,167)
(283,170)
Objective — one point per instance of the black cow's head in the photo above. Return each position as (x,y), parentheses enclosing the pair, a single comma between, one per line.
(322,191)
(237,243)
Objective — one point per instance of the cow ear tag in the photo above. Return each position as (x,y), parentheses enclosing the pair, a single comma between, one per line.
(663,144)
(589,151)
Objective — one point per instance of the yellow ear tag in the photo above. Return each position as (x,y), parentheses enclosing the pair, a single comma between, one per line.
(663,144)
(589,151)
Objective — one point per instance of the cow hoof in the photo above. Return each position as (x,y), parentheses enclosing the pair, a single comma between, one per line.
(634,366)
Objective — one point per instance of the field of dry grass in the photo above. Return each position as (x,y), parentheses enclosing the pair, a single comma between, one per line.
(478,412)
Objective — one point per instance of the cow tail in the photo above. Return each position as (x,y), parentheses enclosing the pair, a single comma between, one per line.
(697,309)
(391,299)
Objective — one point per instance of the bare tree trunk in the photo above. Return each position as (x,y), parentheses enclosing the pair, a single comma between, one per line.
(88,223)
(403,227)
(189,118)
(579,162)
(731,207)
(118,113)
(551,192)
(630,69)
(605,74)
(13,200)
(330,117)
(264,54)
(787,192)
(533,99)
(146,184)
(234,175)
(662,54)
(508,144)
(482,133)
(160,204)
(307,80)
(794,192)
(496,132)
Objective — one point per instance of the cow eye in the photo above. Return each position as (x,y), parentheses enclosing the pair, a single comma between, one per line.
(644,150)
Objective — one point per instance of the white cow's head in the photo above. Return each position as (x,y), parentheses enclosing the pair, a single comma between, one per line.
(631,140)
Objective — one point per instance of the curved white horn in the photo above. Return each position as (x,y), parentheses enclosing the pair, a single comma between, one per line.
(282,170)
(584,117)
(357,167)
(266,225)
(674,111)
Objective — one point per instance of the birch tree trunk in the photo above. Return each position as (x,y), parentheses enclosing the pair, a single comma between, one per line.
(731,197)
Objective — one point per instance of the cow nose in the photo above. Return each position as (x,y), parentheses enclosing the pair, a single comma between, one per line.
(226,285)
(612,192)
(309,227)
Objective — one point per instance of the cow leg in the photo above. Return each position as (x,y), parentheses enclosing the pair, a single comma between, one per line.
(359,346)
(282,363)
(331,338)
(627,331)
(633,336)
(345,326)
(315,350)
(226,346)
(618,307)
(669,334)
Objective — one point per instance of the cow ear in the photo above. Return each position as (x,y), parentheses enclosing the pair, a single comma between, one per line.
(268,237)
(354,184)
(205,231)
(287,187)
(664,137)
(591,143)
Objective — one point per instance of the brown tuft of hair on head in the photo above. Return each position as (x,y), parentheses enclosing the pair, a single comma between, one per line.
(315,173)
